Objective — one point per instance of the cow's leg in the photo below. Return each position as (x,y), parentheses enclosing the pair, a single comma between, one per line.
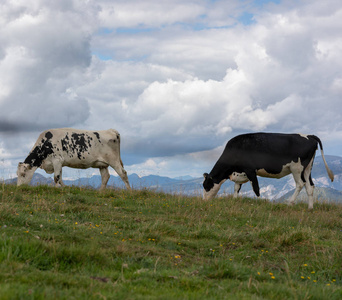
(57,167)
(237,188)
(118,167)
(299,185)
(104,177)
(61,181)
(251,175)
(309,185)
(309,191)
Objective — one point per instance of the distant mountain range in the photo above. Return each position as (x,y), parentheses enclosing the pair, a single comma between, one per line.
(273,189)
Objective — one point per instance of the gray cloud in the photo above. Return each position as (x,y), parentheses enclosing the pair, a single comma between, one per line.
(44,57)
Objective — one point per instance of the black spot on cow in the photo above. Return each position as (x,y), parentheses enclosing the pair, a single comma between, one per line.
(77,144)
(78,138)
(48,135)
(39,153)
(98,136)
(65,143)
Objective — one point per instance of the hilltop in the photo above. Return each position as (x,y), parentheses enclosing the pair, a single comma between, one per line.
(76,243)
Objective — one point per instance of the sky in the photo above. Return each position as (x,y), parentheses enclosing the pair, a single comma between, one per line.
(176,78)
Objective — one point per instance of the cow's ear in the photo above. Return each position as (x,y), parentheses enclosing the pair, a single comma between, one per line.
(205,175)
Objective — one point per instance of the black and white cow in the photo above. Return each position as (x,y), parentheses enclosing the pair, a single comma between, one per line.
(74,148)
(273,155)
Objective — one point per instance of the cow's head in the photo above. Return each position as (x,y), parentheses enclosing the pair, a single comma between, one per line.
(210,187)
(25,173)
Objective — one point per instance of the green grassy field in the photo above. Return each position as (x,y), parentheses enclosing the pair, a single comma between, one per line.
(75,243)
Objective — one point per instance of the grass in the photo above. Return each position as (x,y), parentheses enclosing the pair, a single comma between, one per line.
(75,243)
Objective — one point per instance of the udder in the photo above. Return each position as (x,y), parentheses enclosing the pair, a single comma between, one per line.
(239,177)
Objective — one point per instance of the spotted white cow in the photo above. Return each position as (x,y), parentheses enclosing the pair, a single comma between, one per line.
(81,149)
(273,155)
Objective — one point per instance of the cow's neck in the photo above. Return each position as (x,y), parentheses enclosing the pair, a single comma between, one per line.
(219,173)
(33,159)
(40,152)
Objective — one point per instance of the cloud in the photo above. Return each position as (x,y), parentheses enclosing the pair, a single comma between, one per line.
(152,13)
(275,78)
(175,78)
(172,166)
(45,50)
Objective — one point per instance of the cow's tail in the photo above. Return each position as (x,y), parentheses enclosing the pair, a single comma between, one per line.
(330,173)
(118,140)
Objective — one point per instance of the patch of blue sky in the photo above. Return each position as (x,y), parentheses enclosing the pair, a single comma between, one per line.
(102,56)
(105,30)
(199,26)
(246,19)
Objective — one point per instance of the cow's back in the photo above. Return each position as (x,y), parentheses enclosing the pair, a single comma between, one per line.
(268,150)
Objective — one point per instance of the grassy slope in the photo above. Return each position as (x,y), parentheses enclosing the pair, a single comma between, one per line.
(72,243)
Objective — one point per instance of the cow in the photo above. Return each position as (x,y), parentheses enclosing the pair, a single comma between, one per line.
(272,155)
(81,149)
